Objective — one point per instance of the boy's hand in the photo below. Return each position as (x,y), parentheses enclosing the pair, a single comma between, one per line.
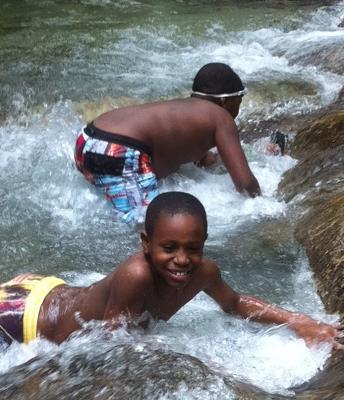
(315,332)
(274,149)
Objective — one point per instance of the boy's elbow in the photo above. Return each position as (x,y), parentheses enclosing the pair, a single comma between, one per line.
(231,306)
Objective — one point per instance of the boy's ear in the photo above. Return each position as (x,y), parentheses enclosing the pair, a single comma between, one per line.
(145,242)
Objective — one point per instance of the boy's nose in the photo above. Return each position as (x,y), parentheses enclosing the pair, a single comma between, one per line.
(181,258)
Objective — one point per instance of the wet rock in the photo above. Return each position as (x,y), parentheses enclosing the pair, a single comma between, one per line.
(326,384)
(340,99)
(328,58)
(286,3)
(324,133)
(255,129)
(315,178)
(123,372)
(317,182)
(321,232)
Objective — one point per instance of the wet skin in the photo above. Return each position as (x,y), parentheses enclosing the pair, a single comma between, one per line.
(182,131)
(167,274)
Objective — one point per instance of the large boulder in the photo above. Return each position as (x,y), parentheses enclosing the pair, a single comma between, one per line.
(321,232)
(316,177)
(324,133)
(316,182)
(125,372)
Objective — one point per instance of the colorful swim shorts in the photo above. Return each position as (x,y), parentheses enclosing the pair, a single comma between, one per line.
(20,302)
(120,167)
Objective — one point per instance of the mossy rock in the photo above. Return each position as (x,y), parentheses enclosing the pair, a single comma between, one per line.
(315,178)
(325,133)
(321,232)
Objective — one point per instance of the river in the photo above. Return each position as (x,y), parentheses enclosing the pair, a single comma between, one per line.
(62,63)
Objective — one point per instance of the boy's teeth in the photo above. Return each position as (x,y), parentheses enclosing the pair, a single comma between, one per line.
(179,273)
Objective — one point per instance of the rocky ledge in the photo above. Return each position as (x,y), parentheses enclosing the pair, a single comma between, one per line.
(316,184)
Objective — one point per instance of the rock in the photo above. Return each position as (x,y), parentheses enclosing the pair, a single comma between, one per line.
(259,127)
(123,372)
(326,132)
(330,58)
(315,178)
(316,182)
(326,384)
(321,232)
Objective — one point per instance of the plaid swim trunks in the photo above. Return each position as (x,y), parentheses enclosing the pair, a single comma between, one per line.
(120,167)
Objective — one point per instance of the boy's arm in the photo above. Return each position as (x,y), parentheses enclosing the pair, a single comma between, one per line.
(258,310)
(229,146)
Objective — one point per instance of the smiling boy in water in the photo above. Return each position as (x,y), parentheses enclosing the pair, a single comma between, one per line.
(158,281)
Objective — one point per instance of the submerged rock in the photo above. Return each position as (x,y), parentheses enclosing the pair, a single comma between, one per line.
(125,372)
(326,384)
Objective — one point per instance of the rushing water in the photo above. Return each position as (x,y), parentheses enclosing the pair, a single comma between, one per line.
(64,62)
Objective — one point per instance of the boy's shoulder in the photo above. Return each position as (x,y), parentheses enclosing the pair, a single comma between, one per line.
(209,272)
(135,269)
(210,267)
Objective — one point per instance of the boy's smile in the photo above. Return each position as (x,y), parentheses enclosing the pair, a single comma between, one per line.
(176,247)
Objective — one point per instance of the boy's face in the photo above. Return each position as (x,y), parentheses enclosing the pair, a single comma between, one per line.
(176,247)
(232,105)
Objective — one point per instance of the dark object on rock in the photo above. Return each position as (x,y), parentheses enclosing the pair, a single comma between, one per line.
(280,139)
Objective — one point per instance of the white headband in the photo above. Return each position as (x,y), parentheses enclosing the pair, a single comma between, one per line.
(239,93)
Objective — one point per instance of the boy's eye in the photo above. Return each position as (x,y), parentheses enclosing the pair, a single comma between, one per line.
(168,248)
(195,249)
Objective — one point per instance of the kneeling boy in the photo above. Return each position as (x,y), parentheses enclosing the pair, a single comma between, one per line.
(157,281)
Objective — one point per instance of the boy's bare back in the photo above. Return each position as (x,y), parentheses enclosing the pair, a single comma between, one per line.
(182,131)
(176,131)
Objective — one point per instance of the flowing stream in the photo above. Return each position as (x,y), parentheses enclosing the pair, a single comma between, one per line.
(62,63)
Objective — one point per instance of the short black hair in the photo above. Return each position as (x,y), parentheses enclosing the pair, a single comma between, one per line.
(172,203)
(217,78)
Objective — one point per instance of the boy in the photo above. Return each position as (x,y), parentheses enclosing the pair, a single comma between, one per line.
(125,151)
(153,283)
